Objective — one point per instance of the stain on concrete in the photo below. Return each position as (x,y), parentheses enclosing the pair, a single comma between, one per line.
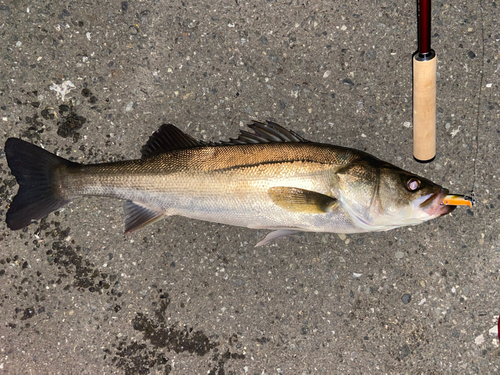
(221,360)
(159,339)
(70,124)
(135,358)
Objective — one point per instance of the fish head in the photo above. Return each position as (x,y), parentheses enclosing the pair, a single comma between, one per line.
(409,198)
(379,196)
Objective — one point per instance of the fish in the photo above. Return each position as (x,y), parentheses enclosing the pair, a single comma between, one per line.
(267,178)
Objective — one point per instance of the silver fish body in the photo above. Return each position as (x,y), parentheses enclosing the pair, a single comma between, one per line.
(270,179)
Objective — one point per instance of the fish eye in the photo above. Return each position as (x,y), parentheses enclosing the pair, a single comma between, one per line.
(413,184)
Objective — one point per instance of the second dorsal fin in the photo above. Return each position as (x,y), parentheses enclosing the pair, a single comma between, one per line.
(269,132)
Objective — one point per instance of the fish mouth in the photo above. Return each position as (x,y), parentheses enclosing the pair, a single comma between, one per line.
(434,205)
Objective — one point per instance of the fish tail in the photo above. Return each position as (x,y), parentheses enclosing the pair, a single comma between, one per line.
(33,168)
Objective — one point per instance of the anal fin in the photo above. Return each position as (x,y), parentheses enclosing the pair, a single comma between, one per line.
(301,200)
(138,216)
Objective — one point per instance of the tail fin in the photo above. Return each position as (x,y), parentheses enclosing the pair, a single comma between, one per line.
(33,168)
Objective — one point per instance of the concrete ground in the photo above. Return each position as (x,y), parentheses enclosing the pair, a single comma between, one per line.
(77,296)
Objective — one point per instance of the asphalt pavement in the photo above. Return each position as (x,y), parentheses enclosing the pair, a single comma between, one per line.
(91,81)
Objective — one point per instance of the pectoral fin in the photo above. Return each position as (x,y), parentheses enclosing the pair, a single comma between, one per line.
(301,200)
(137,216)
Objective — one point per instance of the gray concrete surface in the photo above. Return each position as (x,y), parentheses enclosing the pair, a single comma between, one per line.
(189,297)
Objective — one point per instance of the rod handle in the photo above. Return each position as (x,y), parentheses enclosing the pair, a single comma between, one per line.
(424,108)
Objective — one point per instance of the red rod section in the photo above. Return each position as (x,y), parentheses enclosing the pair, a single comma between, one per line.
(424,26)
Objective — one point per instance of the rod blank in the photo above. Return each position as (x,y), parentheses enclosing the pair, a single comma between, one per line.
(424,27)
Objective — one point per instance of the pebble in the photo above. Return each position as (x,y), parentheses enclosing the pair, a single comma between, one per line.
(399,254)
(493,331)
(406,298)
(348,82)
(479,339)
(129,107)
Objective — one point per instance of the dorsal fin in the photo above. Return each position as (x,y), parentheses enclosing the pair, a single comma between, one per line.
(168,138)
(269,132)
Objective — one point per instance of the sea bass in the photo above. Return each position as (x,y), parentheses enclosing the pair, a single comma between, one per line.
(270,178)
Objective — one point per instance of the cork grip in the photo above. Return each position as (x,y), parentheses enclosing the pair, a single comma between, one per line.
(424,109)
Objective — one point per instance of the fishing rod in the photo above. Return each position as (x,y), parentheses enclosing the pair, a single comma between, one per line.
(424,88)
